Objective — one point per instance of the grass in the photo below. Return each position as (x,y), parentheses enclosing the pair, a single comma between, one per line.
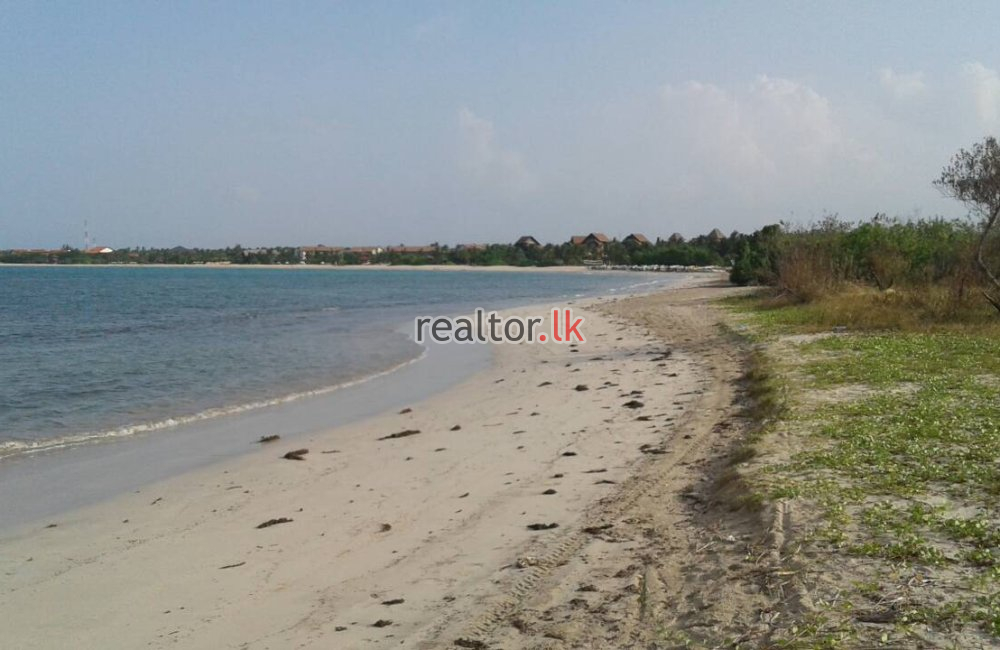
(764,406)
(763,388)
(895,439)
(865,309)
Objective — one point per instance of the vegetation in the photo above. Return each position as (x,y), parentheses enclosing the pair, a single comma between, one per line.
(940,266)
(701,251)
(973,177)
(888,456)
(176,255)
(876,341)
(811,263)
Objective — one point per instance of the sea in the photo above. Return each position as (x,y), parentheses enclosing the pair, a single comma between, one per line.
(96,354)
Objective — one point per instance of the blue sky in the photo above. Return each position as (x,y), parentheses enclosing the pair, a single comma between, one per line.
(362,123)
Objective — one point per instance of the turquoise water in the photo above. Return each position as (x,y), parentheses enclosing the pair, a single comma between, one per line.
(92,353)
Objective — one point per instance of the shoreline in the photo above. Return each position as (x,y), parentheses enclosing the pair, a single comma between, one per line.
(318,267)
(12,450)
(515,444)
(51,476)
(367,267)
(93,471)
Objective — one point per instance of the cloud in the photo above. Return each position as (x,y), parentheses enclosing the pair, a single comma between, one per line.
(719,128)
(902,85)
(986,91)
(487,162)
(757,140)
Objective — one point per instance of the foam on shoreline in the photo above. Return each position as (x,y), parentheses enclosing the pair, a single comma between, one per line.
(62,476)
(13,448)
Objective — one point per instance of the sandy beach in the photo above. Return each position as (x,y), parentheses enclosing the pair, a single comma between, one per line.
(462,518)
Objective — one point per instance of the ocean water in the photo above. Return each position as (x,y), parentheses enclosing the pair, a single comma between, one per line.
(88,354)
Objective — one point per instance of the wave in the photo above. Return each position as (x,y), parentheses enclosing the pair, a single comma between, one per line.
(12,448)
(640,285)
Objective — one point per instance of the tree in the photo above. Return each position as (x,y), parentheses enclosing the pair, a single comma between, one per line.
(973,177)
(742,272)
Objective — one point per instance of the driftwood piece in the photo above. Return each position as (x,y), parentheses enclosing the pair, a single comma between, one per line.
(401,434)
(274,522)
(594,530)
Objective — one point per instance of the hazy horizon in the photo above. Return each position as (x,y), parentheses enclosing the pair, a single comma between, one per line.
(372,124)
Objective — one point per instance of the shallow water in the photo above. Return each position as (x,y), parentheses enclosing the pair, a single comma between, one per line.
(90,354)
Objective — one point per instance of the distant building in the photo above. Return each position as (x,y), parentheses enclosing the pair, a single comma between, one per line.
(364,254)
(312,250)
(319,251)
(676,238)
(99,250)
(716,236)
(470,247)
(636,239)
(370,250)
(593,240)
(527,241)
(358,254)
(412,250)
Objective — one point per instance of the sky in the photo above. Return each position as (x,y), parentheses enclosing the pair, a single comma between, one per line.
(375,123)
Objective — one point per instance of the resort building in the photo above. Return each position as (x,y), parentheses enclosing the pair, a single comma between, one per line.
(595,240)
(636,239)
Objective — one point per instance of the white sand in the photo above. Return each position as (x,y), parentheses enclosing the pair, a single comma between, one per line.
(145,569)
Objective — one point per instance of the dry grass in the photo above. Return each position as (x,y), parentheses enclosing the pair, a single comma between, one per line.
(859,308)
(763,405)
(807,271)
(762,389)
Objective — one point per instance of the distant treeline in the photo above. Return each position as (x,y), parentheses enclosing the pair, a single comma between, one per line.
(699,251)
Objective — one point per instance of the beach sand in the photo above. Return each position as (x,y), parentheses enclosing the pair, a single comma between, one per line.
(414,540)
